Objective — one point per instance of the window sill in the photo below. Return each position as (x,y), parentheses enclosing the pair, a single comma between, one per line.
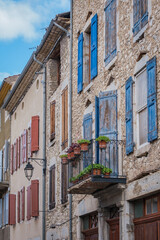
(138,36)
(110,65)
(143,150)
(87,88)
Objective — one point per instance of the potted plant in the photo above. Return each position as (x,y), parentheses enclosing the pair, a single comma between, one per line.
(106,171)
(70,153)
(84,144)
(96,168)
(102,141)
(77,148)
(73,180)
(64,158)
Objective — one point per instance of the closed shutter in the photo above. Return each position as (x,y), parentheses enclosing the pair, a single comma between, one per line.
(152,100)
(19,151)
(6,155)
(35,198)
(108,127)
(35,134)
(94,45)
(1,166)
(52,120)
(97,128)
(25,145)
(18,208)
(140,15)
(129,115)
(52,188)
(12,157)
(29,203)
(16,154)
(80,63)
(87,134)
(12,209)
(64,183)
(23,203)
(7,207)
(0,212)
(65,118)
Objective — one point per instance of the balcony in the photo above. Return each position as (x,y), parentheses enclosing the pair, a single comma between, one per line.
(4,182)
(94,181)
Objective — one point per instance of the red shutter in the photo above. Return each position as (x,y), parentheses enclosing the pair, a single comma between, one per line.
(35,197)
(23,203)
(23,148)
(14,159)
(18,208)
(12,156)
(16,163)
(35,134)
(19,151)
(12,209)
(29,203)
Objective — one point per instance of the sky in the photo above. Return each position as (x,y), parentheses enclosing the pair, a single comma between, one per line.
(22,26)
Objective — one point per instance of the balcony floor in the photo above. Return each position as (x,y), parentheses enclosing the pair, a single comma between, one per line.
(4,186)
(95,183)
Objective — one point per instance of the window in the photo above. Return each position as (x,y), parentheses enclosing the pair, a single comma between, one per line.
(140,15)
(52,120)
(52,188)
(90,221)
(35,134)
(110,31)
(64,118)
(12,209)
(21,205)
(64,183)
(4,210)
(87,56)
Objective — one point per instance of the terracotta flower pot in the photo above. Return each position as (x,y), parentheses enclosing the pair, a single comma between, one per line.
(70,155)
(77,150)
(64,160)
(86,175)
(84,147)
(102,144)
(96,171)
(106,175)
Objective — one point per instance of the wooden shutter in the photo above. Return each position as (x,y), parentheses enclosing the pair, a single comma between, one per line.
(35,134)
(64,183)
(152,100)
(94,45)
(29,203)
(1,212)
(1,166)
(7,207)
(35,198)
(52,188)
(16,154)
(108,126)
(6,155)
(25,145)
(12,209)
(23,203)
(65,118)
(52,120)
(18,208)
(19,151)
(87,134)
(129,115)
(97,128)
(12,157)
(80,63)
(140,15)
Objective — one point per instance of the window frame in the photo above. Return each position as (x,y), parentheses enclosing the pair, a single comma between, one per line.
(51,188)
(64,118)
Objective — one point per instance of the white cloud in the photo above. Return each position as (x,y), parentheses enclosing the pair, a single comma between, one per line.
(17,19)
(3,75)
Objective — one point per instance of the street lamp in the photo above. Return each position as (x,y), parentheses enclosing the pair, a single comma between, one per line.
(28,171)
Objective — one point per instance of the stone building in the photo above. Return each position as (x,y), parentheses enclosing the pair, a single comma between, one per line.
(116,72)
(5,87)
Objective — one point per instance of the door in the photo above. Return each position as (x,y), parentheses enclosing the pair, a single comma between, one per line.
(91,234)
(114,228)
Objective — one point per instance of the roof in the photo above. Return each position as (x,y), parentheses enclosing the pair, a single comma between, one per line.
(53,33)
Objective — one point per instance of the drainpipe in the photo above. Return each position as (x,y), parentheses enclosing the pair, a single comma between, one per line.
(44,150)
(70,116)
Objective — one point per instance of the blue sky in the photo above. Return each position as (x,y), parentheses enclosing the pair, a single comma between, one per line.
(22,26)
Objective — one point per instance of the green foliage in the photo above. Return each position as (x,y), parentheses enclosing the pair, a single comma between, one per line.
(63,156)
(106,170)
(103,138)
(83,141)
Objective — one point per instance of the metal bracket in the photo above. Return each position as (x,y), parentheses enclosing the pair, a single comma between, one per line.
(62,28)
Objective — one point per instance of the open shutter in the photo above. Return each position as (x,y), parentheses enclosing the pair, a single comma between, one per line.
(97,127)
(1,166)
(19,151)
(18,208)
(65,118)
(6,154)
(35,134)
(87,134)
(7,207)
(16,163)
(108,127)
(64,183)
(29,203)
(152,100)
(23,203)
(94,24)
(12,209)
(25,145)
(129,116)
(80,63)
(35,198)
(52,188)
(52,120)
(12,157)
(113,44)
(0,212)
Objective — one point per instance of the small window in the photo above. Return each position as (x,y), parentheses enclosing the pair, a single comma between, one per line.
(90,221)
(52,120)
(64,183)
(87,57)
(64,118)
(52,188)
(151,205)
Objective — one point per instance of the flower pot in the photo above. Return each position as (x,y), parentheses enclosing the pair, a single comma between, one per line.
(84,147)
(96,171)
(77,150)
(86,175)
(106,175)
(64,160)
(70,155)
(102,144)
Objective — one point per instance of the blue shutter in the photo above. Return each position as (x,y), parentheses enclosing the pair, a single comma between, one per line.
(94,22)
(151,100)
(7,207)
(0,212)
(129,116)
(80,63)
(97,127)
(140,15)
(108,127)
(87,134)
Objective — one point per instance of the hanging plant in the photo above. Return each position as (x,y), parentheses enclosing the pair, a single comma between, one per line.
(102,141)
(84,144)
(64,158)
